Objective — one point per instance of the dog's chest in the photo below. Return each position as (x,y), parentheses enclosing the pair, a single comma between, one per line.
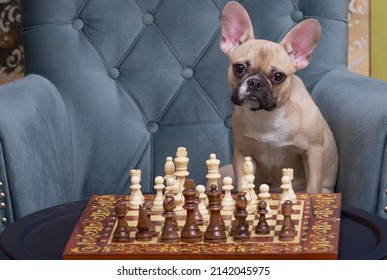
(268,128)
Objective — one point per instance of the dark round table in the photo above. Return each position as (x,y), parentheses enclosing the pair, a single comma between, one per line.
(44,234)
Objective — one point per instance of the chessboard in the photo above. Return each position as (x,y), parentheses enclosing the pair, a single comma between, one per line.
(316,219)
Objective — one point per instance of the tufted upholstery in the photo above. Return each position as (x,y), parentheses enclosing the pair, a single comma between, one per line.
(116,85)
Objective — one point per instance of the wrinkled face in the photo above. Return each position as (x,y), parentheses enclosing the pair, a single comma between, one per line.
(259,74)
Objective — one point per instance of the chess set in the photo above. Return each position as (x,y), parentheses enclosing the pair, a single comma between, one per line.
(184,221)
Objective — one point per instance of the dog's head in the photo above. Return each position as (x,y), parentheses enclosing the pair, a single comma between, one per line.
(260,71)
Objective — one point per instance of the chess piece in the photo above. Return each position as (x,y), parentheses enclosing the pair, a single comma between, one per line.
(215,231)
(136,198)
(290,173)
(248,167)
(285,189)
(287,232)
(159,199)
(149,212)
(213,170)
(143,234)
(190,232)
(262,227)
(198,215)
(169,168)
(201,206)
(181,163)
(265,195)
(177,195)
(241,232)
(137,173)
(122,231)
(169,233)
(251,196)
(170,186)
(228,202)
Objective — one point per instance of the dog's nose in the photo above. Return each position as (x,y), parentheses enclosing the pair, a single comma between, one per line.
(254,84)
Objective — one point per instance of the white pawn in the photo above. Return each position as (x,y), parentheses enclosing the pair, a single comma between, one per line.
(159,199)
(228,202)
(285,189)
(137,173)
(136,196)
(202,197)
(265,195)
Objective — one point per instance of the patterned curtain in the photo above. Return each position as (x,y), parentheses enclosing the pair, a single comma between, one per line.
(11,48)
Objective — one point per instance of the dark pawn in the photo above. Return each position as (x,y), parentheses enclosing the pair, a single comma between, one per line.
(169,233)
(215,232)
(287,232)
(143,234)
(191,232)
(262,228)
(121,233)
(241,232)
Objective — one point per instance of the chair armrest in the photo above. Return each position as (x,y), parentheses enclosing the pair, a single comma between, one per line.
(355,108)
(35,147)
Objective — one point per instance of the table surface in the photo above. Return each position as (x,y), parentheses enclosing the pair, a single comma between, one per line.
(44,234)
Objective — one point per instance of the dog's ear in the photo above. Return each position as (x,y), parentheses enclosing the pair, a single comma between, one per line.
(236,26)
(301,40)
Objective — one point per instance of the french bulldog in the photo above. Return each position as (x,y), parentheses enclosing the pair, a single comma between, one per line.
(275,120)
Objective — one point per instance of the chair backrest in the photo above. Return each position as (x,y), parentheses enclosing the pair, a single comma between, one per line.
(141,78)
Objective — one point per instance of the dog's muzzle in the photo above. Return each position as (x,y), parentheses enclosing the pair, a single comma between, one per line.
(255,93)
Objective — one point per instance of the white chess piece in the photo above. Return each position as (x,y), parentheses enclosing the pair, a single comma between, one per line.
(181,164)
(264,194)
(169,168)
(202,197)
(159,199)
(289,172)
(213,170)
(285,189)
(135,199)
(228,202)
(137,173)
(178,196)
(251,190)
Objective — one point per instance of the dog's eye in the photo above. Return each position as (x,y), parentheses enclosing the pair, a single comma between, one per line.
(239,68)
(279,77)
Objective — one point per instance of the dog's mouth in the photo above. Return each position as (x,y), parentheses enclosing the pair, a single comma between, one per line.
(254,93)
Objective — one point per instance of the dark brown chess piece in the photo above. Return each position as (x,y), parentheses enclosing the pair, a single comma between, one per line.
(149,212)
(241,232)
(191,232)
(122,231)
(169,233)
(143,234)
(215,231)
(262,227)
(287,232)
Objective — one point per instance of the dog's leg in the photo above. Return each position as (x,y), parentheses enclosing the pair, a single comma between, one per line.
(238,161)
(313,164)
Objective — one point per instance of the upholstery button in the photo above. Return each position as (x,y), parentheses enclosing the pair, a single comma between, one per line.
(385,209)
(187,73)
(78,24)
(148,19)
(385,191)
(152,127)
(4,220)
(1,185)
(228,122)
(2,195)
(114,73)
(2,205)
(297,16)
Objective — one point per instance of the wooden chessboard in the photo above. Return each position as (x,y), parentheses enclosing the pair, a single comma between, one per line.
(316,218)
